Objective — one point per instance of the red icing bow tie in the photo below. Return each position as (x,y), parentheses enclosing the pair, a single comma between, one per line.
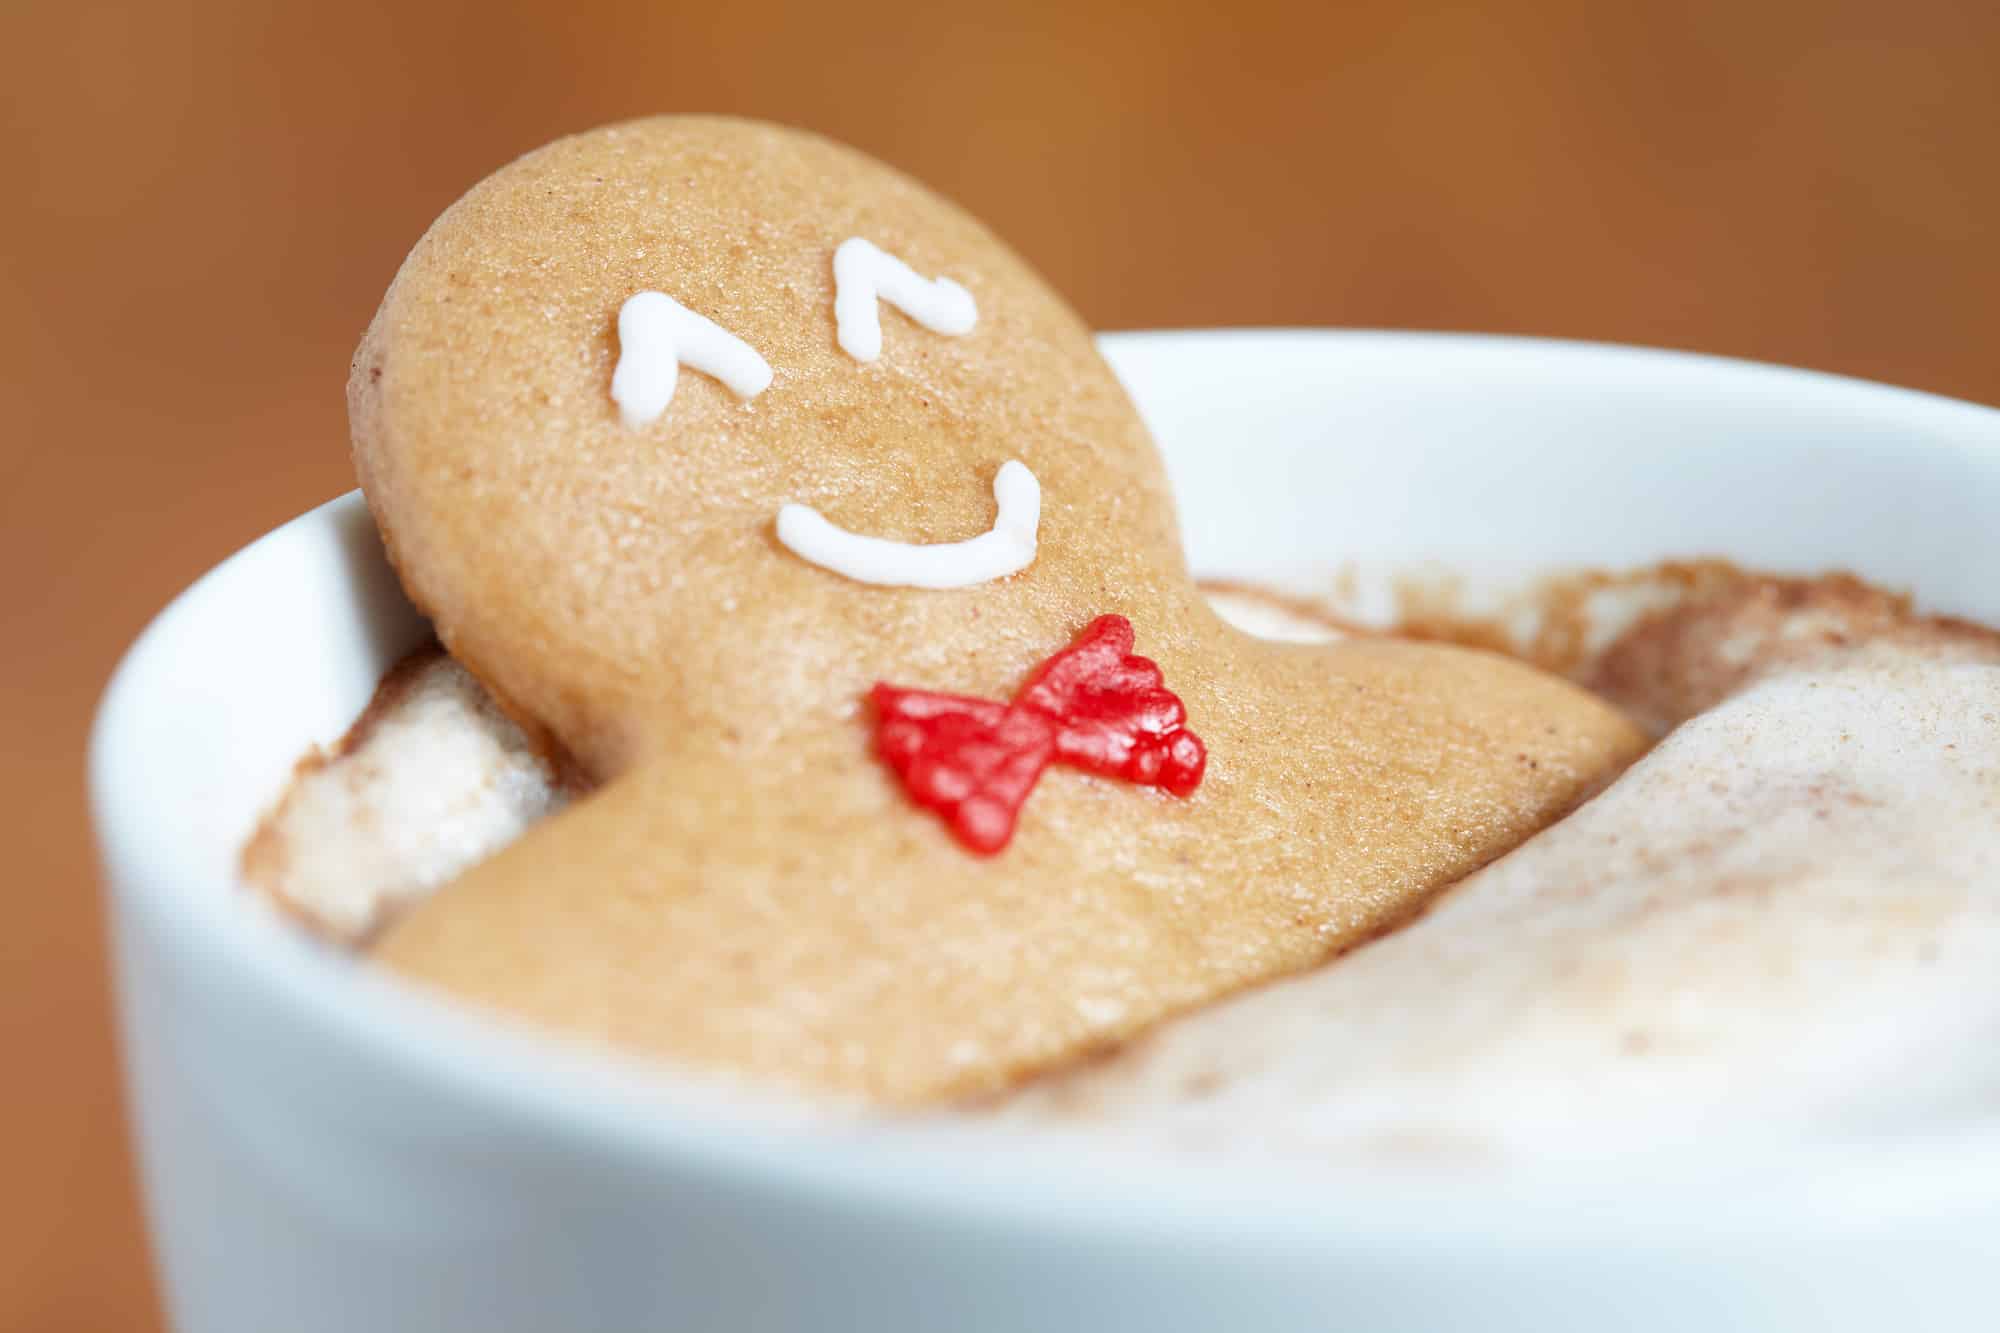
(1093,706)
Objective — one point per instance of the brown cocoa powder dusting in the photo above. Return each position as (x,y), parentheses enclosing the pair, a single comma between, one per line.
(1663,642)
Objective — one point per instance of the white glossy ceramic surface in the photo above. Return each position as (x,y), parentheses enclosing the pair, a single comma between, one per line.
(324,1150)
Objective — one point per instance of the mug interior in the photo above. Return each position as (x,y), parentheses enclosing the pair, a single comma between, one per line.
(1294,454)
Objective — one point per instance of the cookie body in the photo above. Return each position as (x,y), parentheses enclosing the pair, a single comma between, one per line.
(749,889)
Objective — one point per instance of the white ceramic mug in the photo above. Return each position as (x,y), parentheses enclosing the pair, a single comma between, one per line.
(325,1150)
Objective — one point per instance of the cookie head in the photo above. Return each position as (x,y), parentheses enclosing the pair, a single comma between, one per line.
(664,405)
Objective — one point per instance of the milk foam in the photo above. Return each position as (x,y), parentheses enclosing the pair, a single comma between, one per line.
(436,780)
(1785,919)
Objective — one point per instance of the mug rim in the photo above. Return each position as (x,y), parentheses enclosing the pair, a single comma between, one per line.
(607,1104)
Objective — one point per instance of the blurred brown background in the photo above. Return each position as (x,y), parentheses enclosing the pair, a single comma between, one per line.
(202,205)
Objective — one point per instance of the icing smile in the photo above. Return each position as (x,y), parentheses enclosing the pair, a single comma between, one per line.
(1008,547)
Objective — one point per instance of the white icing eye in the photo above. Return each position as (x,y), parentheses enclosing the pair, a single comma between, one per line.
(1007,548)
(656,334)
(864,275)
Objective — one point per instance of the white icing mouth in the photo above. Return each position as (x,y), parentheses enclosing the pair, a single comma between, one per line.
(865,275)
(656,334)
(1007,548)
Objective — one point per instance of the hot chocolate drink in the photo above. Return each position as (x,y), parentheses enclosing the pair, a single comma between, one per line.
(1778,919)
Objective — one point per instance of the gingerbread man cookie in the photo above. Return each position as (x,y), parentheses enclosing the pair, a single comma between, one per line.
(761,883)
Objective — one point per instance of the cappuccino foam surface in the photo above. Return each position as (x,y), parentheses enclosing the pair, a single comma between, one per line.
(1787,915)
(433,778)
(1784,920)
